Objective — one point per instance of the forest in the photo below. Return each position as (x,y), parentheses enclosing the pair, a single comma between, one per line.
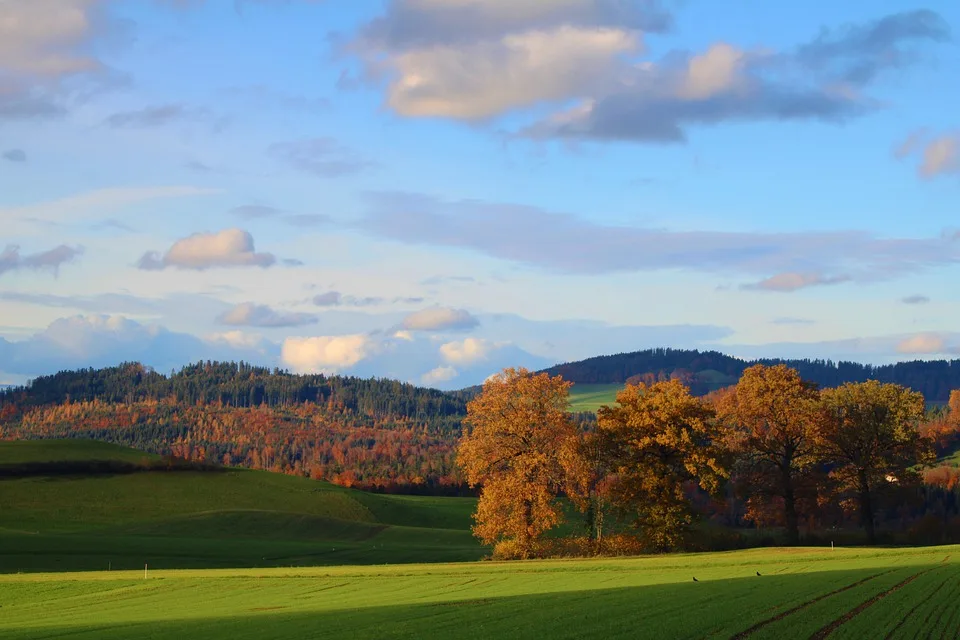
(705,371)
(373,434)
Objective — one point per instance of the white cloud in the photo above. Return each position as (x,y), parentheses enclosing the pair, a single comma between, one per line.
(251,314)
(713,72)
(467,351)
(44,37)
(325,354)
(923,343)
(99,340)
(439,375)
(440,319)
(518,70)
(227,248)
(240,339)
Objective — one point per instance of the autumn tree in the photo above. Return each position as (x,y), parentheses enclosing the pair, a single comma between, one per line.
(870,432)
(521,445)
(658,439)
(772,418)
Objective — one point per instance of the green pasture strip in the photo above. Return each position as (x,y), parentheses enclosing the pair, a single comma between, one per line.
(14,452)
(590,397)
(604,598)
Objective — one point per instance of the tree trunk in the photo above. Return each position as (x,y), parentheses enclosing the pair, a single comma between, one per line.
(524,538)
(790,509)
(866,508)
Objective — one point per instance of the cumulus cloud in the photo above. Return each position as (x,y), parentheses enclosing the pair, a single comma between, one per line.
(923,343)
(787,282)
(45,55)
(467,351)
(15,155)
(104,340)
(227,248)
(325,354)
(251,314)
(939,155)
(440,319)
(439,375)
(12,260)
(476,60)
(566,243)
(324,157)
(916,299)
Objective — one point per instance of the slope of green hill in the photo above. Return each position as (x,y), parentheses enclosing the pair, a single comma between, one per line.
(19,452)
(195,519)
(590,397)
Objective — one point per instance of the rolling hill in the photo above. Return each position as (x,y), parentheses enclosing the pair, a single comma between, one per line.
(203,518)
(705,371)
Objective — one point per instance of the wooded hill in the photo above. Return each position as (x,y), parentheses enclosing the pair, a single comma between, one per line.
(705,371)
(369,433)
(375,434)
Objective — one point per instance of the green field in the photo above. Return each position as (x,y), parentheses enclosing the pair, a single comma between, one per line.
(247,554)
(192,519)
(802,593)
(590,397)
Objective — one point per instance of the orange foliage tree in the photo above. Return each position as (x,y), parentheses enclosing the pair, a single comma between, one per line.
(521,446)
(658,438)
(772,415)
(870,432)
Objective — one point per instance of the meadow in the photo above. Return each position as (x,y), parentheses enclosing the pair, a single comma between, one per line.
(587,398)
(800,593)
(200,519)
(250,554)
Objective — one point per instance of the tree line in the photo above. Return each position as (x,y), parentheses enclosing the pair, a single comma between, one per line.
(772,450)
(706,371)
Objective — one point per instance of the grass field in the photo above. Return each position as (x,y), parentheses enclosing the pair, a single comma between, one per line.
(590,397)
(802,593)
(233,518)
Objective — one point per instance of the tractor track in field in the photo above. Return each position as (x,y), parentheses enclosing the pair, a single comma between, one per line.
(913,609)
(826,630)
(803,605)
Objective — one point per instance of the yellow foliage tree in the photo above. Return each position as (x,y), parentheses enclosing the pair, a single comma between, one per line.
(521,446)
(772,416)
(658,438)
(870,431)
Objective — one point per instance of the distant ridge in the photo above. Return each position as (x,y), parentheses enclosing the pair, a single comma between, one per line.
(706,371)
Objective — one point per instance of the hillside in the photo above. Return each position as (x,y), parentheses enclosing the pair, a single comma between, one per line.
(370,433)
(225,518)
(705,371)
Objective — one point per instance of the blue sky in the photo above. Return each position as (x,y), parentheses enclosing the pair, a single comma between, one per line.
(435,189)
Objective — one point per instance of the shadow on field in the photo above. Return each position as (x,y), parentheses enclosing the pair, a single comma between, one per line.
(783,606)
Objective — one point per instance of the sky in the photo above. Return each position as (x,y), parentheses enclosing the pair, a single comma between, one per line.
(432,190)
